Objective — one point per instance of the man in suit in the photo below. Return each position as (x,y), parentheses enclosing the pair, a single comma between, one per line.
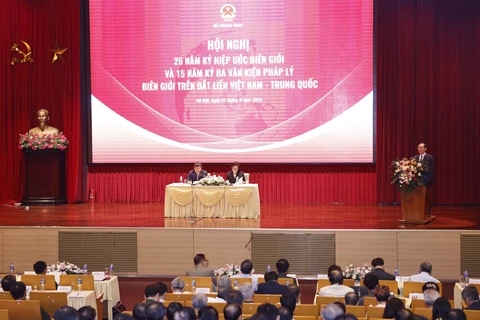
(423,274)
(197,173)
(235,174)
(202,269)
(282,268)
(271,286)
(371,282)
(19,291)
(470,296)
(379,271)
(427,162)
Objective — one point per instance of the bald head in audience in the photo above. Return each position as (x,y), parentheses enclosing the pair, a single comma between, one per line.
(232,311)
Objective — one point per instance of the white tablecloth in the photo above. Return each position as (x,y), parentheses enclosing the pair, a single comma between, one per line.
(111,293)
(81,299)
(186,201)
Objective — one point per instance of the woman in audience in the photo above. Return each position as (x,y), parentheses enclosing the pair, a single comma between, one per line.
(393,305)
(441,309)
(382,293)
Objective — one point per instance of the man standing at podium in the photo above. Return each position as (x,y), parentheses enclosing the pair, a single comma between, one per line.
(427,161)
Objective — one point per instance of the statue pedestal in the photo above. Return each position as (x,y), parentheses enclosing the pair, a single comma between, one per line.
(45,182)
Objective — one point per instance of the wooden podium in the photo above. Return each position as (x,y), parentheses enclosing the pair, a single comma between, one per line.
(415,206)
(45,182)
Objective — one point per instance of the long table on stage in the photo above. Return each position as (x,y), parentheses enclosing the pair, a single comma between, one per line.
(186,201)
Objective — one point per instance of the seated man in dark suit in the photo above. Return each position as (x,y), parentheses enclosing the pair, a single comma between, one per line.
(470,296)
(18,291)
(197,173)
(379,271)
(370,282)
(8,281)
(271,286)
(282,268)
(40,267)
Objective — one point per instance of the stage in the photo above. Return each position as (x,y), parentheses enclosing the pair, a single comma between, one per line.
(273,216)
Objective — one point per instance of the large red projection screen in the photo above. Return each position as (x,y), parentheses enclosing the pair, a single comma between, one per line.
(258,81)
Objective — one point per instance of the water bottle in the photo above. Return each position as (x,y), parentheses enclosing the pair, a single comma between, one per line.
(111,269)
(79,283)
(235,284)
(181,179)
(465,275)
(42,284)
(12,268)
(194,285)
(287,283)
(268,268)
(397,275)
(85,268)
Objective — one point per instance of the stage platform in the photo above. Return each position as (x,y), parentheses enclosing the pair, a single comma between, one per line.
(273,216)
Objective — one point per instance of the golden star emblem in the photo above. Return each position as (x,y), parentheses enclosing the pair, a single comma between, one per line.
(57,52)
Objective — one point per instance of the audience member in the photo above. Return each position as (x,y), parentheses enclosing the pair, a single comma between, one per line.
(65,313)
(370,281)
(296,292)
(87,313)
(271,285)
(282,269)
(456,314)
(151,294)
(346,317)
(199,300)
(40,267)
(177,285)
(246,269)
(172,308)
(331,311)
(285,313)
(429,297)
(441,309)
(259,316)
(417,317)
(288,300)
(424,274)
(7,282)
(155,311)
(234,296)
(393,305)
(18,291)
(123,316)
(224,286)
(202,270)
(382,293)
(232,311)
(269,310)
(247,291)
(139,311)
(162,291)
(341,305)
(402,314)
(207,313)
(351,299)
(336,289)
(470,296)
(430,285)
(333,267)
(379,271)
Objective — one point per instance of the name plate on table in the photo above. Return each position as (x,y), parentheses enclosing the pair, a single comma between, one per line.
(98,275)
(66,289)
(78,294)
(202,290)
(474,281)
(323,276)
(403,279)
(30,273)
(414,295)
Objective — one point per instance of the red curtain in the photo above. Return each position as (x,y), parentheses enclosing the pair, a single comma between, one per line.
(25,88)
(428,90)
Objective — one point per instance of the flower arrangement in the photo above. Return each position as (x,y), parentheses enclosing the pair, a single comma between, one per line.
(42,142)
(356,273)
(65,267)
(211,181)
(228,270)
(407,174)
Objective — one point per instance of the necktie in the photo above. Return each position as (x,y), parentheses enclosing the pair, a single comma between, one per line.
(421,158)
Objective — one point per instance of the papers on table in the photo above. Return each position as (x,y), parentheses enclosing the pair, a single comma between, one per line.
(98,276)
(78,294)
(66,289)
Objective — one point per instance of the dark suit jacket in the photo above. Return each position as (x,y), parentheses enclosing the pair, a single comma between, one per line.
(429,173)
(271,287)
(231,177)
(474,306)
(382,274)
(192,175)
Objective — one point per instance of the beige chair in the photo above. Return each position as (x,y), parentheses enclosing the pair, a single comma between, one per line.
(250,309)
(358,311)
(180,297)
(369,301)
(392,284)
(375,312)
(426,312)
(5,296)
(22,310)
(200,282)
(266,298)
(218,306)
(35,279)
(283,281)
(324,300)
(472,314)
(305,317)
(240,281)
(50,301)
(416,287)
(418,303)
(307,310)
(3,314)
(130,313)
(72,280)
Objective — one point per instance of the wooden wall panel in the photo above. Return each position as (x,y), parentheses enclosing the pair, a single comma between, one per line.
(440,248)
(164,252)
(221,246)
(25,246)
(360,247)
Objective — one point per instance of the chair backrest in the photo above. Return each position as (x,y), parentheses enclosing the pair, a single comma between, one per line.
(184,297)
(72,280)
(418,303)
(21,310)
(200,282)
(358,311)
(416,287)
(5,296)
(319,300)
(218,306)
(307,310)
(426,312)
(392,284)
(241,281)
(266,298)
(472,314)
(50,301)
(35,279)
(283,281)
(3,314)
(351,282)
(375,312)
(305,317)
(130,313)
(250,308)
(369,301)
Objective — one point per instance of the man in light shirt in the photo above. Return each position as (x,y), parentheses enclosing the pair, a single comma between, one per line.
(423,274)
(336,289)
(246,268)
